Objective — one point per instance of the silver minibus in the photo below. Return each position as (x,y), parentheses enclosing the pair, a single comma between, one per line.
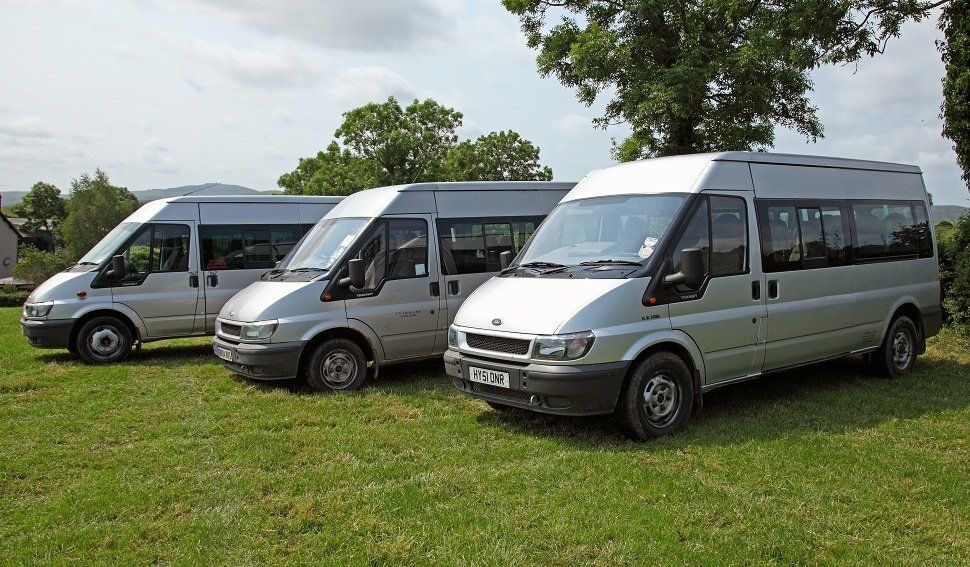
(165,271)
(378,280)
(656,281)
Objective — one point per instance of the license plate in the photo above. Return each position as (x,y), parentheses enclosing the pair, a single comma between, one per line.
(224,353)
(490,377)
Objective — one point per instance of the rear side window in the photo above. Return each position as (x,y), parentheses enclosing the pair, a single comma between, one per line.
(234,247)
(885,229)
(474,246)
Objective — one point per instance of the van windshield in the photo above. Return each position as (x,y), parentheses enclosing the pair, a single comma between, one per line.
(324,244)
(109,244)
(618,229)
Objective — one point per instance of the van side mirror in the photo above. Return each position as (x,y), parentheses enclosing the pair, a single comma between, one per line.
(355,267)
(118,269)
(505,259)
(691,272)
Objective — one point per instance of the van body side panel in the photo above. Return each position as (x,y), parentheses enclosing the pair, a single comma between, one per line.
(806,182)
(883,286)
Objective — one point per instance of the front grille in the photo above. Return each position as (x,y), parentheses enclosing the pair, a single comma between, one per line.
(504,392)
(229,329)
(497,344)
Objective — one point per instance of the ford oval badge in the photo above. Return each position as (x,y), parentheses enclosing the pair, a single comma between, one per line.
(496,322)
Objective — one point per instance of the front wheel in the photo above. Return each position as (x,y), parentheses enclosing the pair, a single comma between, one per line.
(897,355)
(337,364)
(103,340)
(658,397)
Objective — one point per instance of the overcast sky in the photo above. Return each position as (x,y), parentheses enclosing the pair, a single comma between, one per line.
(161,93)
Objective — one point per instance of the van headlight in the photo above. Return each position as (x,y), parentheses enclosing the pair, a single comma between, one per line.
(258,331)
(37,310)
(563,347)
(453,337)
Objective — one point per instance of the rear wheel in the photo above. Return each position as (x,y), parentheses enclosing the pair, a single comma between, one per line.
(897,355)
(103,340)
(658,397)
(337,364)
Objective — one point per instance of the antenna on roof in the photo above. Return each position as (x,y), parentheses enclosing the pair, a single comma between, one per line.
(206,186)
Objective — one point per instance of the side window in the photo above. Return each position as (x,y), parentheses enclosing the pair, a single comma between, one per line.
(157,248)
(138,256)
(838,243)
(170,248)
(256,249)
(729,228)
(885,230)
(924,236)
(222,248)
(812,234)
(373,252)
(781,247)
(408,245)
(697,234)
(474,246)
(284,238)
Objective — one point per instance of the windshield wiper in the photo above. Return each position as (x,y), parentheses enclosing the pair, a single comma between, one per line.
(87,263)
(547,267)
(610,261)
(309,270)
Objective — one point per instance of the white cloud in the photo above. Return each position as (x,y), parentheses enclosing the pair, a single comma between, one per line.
(361,25)
(573,125)
(267,66)
(24,126)
(359,85)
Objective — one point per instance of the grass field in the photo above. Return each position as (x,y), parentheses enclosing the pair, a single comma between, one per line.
(168,458)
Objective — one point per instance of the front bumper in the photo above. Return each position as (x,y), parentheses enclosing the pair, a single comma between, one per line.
(584,389)
(47,333)
(267,361)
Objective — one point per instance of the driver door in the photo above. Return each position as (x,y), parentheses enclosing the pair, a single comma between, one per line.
(400,298)
(161,282)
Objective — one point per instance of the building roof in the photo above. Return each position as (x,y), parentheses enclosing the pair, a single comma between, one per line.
(11,225)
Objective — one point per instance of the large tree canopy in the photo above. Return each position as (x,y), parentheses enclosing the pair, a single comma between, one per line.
(955,23)
(704,75)
(95,207)
(43,207)
(385,144)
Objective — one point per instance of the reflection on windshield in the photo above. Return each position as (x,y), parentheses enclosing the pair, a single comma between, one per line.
(324,244)
(621,229)
(110,243)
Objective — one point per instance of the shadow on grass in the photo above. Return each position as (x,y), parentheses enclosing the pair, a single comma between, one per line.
(835,397)
(146,356)
(410,378)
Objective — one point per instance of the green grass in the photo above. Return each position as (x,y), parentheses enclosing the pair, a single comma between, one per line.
(168,458)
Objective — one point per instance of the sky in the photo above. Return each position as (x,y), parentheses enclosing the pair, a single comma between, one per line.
(163,93)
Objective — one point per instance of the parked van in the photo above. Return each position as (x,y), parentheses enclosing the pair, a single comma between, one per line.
(165,271)
(656,281)
(368,287)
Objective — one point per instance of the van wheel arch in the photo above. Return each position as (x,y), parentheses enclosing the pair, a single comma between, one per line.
(913,312)
(339,333)
(681,352)
(104,313)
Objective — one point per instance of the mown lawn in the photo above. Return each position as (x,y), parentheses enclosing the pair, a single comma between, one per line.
(168,458)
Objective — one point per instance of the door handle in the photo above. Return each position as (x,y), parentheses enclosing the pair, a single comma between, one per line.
(435,289)
(193,279)
(772,289)
(453,287)
(213,279)
(756,290)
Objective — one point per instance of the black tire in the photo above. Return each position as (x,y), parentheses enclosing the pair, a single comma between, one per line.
(897,355)
(337,365)
(103,340)
(670,401)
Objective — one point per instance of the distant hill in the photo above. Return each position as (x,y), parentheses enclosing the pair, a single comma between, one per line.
(942,213)
(11,198)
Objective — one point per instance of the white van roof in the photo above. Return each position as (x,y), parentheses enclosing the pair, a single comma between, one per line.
(468,198)
(724,170)
(253,199)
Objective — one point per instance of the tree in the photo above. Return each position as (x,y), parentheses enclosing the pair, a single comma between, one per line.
(384,144)
(955,112)
(94,208)
(499,156)
(37,266)
(44,209)
(704,75)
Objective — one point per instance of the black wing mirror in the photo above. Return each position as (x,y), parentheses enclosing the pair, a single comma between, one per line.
(118,268)
(691,272)
(355,278)
(505,259)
